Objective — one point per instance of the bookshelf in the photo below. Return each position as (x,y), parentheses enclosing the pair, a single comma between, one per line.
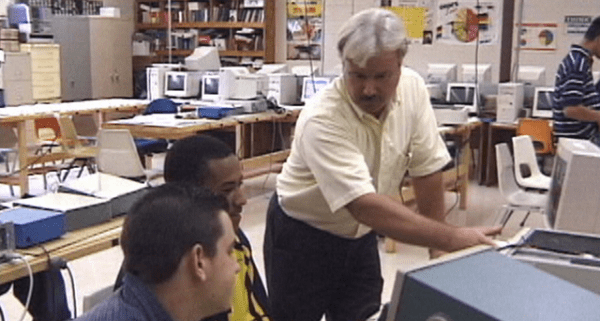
(239,28)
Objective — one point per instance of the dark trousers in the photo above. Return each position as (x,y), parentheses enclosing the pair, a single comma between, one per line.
(311,273)
(48,299)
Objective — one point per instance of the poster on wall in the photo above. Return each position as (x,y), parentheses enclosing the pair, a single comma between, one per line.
(304,29)
(463,22)
(415,23)
(538,36)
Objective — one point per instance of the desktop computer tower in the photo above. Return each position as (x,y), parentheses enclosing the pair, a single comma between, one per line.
(510,102)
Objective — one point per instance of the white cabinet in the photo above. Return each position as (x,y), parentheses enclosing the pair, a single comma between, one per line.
(16,78)
(45,71)
(95,56)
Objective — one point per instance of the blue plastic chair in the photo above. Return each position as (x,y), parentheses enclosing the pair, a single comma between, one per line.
(151,146)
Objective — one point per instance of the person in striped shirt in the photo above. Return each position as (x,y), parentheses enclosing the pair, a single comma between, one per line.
(576,102)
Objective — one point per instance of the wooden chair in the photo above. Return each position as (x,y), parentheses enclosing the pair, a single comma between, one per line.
(75,148)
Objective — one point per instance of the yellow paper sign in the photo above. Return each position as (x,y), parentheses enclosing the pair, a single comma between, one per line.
(414,19)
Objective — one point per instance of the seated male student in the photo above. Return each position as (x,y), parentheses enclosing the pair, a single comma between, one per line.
(208,162)
(179,265)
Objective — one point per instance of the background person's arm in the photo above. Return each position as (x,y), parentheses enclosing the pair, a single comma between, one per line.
(392,219)
(582,113)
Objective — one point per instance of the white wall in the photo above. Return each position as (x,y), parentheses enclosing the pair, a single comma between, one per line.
(338,11)
(539,11)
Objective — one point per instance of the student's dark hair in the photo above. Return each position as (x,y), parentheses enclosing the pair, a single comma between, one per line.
(593,31)
(165,224)
(187,160)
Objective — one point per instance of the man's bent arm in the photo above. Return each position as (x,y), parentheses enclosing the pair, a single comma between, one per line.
(429,192)
(392,219)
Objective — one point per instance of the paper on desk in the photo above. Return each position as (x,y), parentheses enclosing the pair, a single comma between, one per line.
(160,120)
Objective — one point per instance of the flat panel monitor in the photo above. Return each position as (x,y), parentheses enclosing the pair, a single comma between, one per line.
(480,72)
(574,199)
(312,85)
(532,75)
(210,87)
(182,84)
(542,102)
(463,94)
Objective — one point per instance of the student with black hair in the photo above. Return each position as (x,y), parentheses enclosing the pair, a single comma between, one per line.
(208,162)
(179,265)
(576,100)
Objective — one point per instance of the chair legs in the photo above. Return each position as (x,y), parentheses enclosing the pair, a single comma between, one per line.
(507,211)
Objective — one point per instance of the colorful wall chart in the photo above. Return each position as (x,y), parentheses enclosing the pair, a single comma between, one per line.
(463,22)
(538,36)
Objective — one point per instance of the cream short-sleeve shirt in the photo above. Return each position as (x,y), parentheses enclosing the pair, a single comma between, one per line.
(340,153)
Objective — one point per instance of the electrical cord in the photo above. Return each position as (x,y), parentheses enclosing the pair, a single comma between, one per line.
(1,314)
(12,256)
(61,264)
(310,61)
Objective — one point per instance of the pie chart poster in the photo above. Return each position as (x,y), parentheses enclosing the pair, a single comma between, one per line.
(465,22)
(538,36)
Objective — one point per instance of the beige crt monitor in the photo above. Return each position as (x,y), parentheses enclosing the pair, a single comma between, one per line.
(574,202)
(542,102)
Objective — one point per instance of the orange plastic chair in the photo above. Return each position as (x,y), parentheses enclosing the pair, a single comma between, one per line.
(540,131)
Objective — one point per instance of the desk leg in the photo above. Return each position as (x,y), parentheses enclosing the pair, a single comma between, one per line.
(24,171)
(491,154)
(464,177)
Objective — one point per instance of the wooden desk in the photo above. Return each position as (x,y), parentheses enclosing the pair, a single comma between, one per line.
(20,115)
(71,246)
(189,127)
(497,133)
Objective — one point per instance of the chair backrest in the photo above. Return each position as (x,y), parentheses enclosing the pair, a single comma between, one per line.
(85,125)
(118,155)
(47,128)
(69,134)
(161,106)
(9,137)
(506,174)
(524,154)
(540,131)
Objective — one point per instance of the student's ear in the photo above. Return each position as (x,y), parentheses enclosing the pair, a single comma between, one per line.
(199,261)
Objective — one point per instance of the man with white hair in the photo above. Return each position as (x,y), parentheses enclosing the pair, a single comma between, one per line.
(352,145)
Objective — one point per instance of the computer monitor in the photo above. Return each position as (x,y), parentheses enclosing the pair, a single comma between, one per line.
(481,72)
(574,199)
(312,85)
(210,87)
(273,69)
(532,75)
(463,94)
(441,73)
(203,59)
(542,102)
(182,84)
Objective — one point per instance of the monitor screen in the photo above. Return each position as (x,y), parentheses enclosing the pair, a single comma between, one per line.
(313,85)
(542,102)
(211,85)
(461,95)
(175,82)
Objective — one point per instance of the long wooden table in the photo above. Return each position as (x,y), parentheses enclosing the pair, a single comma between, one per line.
(170,128)
(19,116)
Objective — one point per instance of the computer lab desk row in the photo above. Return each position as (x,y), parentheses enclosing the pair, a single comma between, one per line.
(19,116)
